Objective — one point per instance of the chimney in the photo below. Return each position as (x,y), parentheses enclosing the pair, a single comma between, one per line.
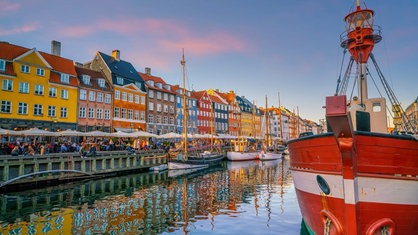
(56,48)
(116,55)
(78,64)
(148,71)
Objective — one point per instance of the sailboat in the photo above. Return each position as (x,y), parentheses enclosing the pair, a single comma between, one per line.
(358,179)
(242,149)
(184,160)
(269,152)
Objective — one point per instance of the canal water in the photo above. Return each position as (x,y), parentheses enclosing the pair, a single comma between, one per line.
(251,197)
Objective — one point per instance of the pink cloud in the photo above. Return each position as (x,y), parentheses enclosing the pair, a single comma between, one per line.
(23,29)
(8,7)
(169,35)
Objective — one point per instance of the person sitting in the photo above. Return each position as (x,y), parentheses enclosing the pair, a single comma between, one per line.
(93,149)
(15,151)
(31,151)
(83,152)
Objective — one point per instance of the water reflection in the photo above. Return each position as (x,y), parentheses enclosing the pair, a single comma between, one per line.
(251,194)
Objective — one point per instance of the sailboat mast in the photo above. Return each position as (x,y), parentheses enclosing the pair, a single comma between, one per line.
(185,124)
(267,125)
(281,123)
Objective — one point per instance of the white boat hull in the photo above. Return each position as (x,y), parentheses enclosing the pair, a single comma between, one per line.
(181,166)
(242,156)
(266,156)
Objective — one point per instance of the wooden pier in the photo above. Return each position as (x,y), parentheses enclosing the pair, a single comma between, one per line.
(19,171)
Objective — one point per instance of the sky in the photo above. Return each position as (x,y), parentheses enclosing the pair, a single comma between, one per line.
(256,48)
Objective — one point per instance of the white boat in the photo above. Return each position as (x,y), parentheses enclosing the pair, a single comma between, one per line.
(159,168)
(242,156)
(273,155)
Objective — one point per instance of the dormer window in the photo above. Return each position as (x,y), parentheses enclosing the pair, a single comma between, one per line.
(167,87)
(2,65)
(101,82)
(159,85)
(150,82)
(138,84)
(86,79)
(65,78)
(119,80)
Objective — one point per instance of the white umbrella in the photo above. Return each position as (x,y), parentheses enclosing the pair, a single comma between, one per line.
(7,132)
(69,132)
(96,134)
(143,134)
(170,135)
(36,132)
(122,134)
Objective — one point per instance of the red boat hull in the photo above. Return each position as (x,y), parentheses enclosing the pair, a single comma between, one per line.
(379,192)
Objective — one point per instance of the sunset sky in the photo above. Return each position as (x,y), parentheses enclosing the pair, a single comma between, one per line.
(256,48)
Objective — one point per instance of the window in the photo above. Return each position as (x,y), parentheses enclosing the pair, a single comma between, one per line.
(108,98)
(99,97)
(107,114)
(171,121)
(39,89)
(6,106)
(82,112)
(64,112)
(130,113)
(165,120)
(92,96)
(151,94)
(171,98)
(123,113)
(7,85)
(165,108)
(165,96)
(22,108)
(377,107)
(158,107)
(24,68)
(150,118)
(83,95)
(91,113)
(52,92)
(37,110)
(124,96)
(101,82)
(138,84)
(136,115)
(142,116)
(119,80)
(65,78)
(51,111)
(24,87)
(158,95)
(136,99)
(117,112)
(86,79)
(99,113)
(158,119)
(151,106)
(142,99)
(64,94)
(130,97)
(40,72)
(2,65)
(117,95)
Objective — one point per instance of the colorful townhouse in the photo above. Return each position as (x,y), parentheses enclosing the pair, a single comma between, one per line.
(161,102)
(191,110)
(220,109)
(250,118)
(205,114)
(129,98)
(234,112)
(95,100)
(38,89)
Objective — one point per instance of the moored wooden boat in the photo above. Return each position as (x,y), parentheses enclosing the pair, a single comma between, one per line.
(358,179)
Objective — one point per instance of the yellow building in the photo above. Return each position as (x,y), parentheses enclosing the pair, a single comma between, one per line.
(38,89)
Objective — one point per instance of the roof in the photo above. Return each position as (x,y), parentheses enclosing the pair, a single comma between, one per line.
(147,77)
(10,51)
(94,77)
(122,68)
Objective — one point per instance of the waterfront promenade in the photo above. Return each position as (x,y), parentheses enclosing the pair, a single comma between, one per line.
(35,171)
